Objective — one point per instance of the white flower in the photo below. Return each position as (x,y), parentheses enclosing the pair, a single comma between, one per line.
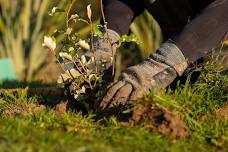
(83,89)
(74,16)
(74,73)
(63,78)
(68,31)
(83,59)
(92,59)
(69,74)
(65,56)
(83,44)
(53,11)
(71,49)
(76,96)
(49,43)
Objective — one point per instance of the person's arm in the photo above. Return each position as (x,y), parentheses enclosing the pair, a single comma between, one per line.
(120,13)
(169,61)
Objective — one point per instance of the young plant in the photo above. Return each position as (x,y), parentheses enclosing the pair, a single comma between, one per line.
(74,66)
(80,72)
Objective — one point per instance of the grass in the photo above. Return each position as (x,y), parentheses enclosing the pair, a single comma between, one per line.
(47,130)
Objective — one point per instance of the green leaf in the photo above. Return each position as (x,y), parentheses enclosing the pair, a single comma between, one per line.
(100,30)
(128,38)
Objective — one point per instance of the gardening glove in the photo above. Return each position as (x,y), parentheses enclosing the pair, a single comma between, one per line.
(103,51)
(99,59)
(158,71)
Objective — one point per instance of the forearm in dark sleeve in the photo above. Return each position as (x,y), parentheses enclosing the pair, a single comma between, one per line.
(205,31)
(120,13)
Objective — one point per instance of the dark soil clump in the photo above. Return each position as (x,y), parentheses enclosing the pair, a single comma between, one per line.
(165,122)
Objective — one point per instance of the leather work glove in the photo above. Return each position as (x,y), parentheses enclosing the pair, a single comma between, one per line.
(103,51)
(158,71)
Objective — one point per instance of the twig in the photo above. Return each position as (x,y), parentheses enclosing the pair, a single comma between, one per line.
(67,16)
(109,40)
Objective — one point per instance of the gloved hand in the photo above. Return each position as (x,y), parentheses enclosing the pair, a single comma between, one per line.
(103,50)
(100,57)
(158,71)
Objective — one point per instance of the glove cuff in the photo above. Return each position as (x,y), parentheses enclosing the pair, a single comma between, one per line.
(171,55)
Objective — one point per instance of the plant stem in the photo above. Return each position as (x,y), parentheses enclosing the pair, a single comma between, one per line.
(109,40)
(67,16)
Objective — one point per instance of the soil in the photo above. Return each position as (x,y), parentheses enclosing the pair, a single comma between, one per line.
(147,115)
(24,109)
(61,107)
(27,109)
(221,112)
(155,117)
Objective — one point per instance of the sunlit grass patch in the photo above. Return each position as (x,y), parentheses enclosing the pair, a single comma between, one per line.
(48,130)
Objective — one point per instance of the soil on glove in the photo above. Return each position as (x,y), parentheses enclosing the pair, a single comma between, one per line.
(164,121)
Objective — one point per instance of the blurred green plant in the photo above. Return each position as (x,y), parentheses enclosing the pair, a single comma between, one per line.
(81,73)
(148,33)
(22,26)
(22,29)
(149,37)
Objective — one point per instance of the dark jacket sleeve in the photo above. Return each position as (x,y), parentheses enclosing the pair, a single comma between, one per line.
(120,13)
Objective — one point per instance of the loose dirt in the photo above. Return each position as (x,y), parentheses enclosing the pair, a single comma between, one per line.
(152,116)
(24,109)
(61,107)
(221,112)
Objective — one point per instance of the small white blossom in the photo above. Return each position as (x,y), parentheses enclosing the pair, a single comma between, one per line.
(74,73)
(92,59)
(76,96)
(83,89)
(83,44)
(74,16)
(71,49)
(63,78)
(53,11)
(65,56)
(68,31)
(49,43)
(73,38)
(83,59)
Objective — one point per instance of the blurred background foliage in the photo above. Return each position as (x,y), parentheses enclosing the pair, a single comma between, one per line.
(23,23)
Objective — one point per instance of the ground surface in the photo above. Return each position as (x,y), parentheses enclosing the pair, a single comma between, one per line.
(190,118)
